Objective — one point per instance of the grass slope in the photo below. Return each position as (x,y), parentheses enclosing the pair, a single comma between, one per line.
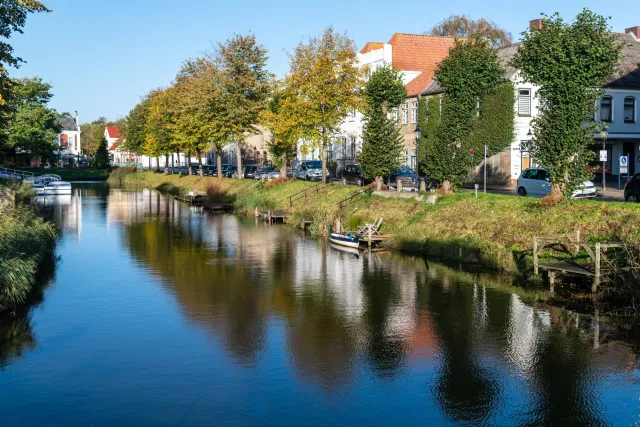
(492,230)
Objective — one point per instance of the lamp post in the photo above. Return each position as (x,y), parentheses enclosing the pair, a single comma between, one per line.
(604,133)
(418,134)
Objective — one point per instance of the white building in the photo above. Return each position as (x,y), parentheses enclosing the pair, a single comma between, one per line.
(69,140)
(618,110)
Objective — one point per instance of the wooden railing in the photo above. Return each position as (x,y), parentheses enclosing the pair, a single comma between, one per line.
(343,202)
(304,194)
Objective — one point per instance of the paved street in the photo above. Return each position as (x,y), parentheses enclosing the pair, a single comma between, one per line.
(611,194)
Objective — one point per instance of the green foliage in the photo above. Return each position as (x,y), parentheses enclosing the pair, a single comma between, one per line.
(34,130)
(382,143)
(477,109)
(382,146)
(134,130)
(101,159)
(423,124)
(568,61)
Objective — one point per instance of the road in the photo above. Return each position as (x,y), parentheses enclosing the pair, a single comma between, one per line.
(611,194)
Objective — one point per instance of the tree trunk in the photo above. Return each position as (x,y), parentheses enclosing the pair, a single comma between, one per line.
(201,173)
(179,165)
(157,163)
(283,169)
(166,164)
(189,163)
(219,163)
(239,161)
(324,156)
(173,164)
(149,163)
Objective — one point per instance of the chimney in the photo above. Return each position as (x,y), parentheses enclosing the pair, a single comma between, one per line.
(536,24)
(75,117)
(635,31)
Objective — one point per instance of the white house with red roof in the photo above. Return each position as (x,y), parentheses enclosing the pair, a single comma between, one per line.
(118,155)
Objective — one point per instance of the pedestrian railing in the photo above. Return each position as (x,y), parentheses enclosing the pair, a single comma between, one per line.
(14,173)
(367,190)
(304,194)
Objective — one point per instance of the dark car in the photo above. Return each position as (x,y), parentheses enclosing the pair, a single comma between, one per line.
(405,174)
(353,174)
(632,189)
(249,171)
(209,170)
(228,170)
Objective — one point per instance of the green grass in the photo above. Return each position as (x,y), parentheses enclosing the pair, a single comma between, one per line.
(492,230)
(74,174)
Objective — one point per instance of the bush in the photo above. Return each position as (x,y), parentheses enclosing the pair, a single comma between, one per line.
(214,191)
(118,174)
(276,181)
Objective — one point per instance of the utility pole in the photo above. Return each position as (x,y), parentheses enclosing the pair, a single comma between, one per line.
(485,168)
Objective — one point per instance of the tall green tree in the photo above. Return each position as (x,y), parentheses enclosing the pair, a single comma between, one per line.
(568,61)
(282,123)
(134,129)
(101,159)
(322,88)
(158,125)
(382,143)
(91,134)
(246,83)
(463,26)
(470,74)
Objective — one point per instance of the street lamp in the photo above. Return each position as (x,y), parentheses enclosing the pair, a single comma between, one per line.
(418,134)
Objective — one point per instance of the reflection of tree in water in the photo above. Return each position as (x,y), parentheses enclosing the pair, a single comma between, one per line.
(465,390)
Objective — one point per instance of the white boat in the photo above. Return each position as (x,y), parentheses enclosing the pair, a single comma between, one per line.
(51,185)
(344,239)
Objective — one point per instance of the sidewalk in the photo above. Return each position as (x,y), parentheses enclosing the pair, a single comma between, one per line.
(611,194)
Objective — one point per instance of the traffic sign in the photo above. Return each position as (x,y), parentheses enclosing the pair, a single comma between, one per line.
(624,164)
(603,155)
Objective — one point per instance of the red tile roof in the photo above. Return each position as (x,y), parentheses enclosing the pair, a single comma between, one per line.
(113,131)
(415,52)
(115,145)
(371,46)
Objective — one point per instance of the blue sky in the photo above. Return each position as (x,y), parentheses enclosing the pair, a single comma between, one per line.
(102,55)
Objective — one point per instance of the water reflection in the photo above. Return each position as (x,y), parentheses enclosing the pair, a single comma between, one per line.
(382,336)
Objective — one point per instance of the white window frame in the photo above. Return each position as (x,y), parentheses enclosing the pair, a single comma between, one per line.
(414,112)
(396,114)
(405,113)
(527,96)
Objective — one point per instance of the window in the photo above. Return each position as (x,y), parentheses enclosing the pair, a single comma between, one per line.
(524,102)
(414,112)
(405,113)
(353,147)
(629,109)
(606,109)
(395,115)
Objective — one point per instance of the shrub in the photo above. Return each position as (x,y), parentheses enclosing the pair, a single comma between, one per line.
(276,181)
(118,174)
(214,191)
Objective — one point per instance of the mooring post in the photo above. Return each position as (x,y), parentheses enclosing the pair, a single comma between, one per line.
(269,217)
(369,235)
(552,283)
(535,256)
(596,280)
(338,228)
(256,212)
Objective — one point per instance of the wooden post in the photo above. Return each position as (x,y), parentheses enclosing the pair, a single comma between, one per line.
(552,283)
(256,212)
(269,217)
(596,280)
(369,235)
(399,185)
(535,256)
(577,247)
(338,228)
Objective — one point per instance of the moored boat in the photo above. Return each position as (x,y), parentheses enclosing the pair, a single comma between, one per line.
(51,184)
(345,239)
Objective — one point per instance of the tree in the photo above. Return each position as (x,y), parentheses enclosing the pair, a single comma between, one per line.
(134,130)
(158,126)
(91,135)
(322,87)
(101,160)
(470,75)
(246,84)
(463,26)
(382,143)
(568,61)
(282,123)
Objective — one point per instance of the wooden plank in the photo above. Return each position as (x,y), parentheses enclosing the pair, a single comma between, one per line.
(567,267)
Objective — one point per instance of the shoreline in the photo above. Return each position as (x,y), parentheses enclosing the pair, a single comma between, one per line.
(491,231)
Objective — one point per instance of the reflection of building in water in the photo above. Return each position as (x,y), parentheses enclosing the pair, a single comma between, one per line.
(67,210)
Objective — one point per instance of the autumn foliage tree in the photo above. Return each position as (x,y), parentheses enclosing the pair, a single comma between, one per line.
(282,123)
(462,26)
(322,87)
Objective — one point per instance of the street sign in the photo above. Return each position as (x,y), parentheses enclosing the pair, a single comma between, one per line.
(624,164)
(603,155)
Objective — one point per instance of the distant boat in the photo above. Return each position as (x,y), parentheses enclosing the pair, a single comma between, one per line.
(51,185)
(345,239)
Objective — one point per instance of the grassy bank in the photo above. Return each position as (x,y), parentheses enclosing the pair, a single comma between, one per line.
(26,240)
(493,230)
(74,174)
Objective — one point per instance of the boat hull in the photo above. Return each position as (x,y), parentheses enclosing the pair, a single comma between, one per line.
(341,239)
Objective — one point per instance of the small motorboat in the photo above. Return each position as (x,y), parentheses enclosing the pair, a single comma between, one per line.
(51,185)
(345,239)
(345,250)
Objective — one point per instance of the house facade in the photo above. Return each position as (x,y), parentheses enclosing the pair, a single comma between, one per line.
(254,150)
(69,140)
(617,111)
(417,56)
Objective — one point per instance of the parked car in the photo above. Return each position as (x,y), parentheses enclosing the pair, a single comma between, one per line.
(405,174)
(309,170)
(229,170)
(353,174)
(632,189)
(209,170)
(289,172)
(535,182)
(248,171)
(268,172)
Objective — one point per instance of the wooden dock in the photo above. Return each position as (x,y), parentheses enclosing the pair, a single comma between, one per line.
(218,207)
(570,244)
(272,216)
(196,200)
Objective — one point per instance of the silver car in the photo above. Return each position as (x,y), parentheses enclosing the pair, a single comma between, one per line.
(535,182)
(309,170)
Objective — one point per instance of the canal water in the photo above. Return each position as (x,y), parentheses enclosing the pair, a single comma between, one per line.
(159,315)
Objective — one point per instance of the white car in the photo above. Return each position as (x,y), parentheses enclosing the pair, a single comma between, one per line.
(309,170)
(535,182)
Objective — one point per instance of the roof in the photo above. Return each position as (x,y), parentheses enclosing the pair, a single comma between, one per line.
(113,131)
(626,75)
(115,145)
(415,52)
(371,46)
(68,123)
